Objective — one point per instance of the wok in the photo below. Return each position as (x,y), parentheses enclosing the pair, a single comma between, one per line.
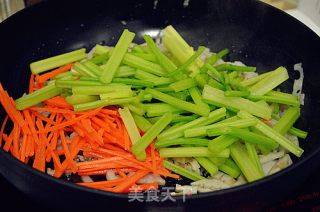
(256,34)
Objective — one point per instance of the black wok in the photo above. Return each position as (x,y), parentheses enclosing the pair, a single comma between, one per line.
(256,34)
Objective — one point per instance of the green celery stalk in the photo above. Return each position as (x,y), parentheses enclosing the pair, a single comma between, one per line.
(99,50)
(287,120)
(216,97)
(143,75)
(125,71)
(139,147)
(145,65)
(202,130)
(83,70)
(254,80)
(57,61)
(75,99)
(145,56)
(177,132)
(95,69)
(100,59)
(136,48)
(282,95)
(247,167)
(178,103)
(215,57)
(270,82)
(182,171)
(214,83)
(176,152)
(300,133)
(273,134)
(208,165)
(183,84)
(197,97)
(130,124)
(274,99)
(137,108)
(73,83)
(117,95)
(182,141)
(37,96)
(109,70)
(102,103)
(253,155)
(99,89)
(134,82)
(236,93)
(230,168)
(141,122)
(158,109)
(230,67)
(214,72)
(164,61)
(220,143)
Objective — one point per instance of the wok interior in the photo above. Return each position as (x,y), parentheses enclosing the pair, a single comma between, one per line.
(245,27)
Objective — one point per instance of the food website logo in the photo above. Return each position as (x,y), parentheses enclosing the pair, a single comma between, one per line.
(154,195)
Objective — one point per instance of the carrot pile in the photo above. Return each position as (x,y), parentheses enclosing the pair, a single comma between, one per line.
(54,132)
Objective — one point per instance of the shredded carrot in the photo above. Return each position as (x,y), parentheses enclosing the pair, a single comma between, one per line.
(44,77)
(31,83)
(121,187)
(2,128)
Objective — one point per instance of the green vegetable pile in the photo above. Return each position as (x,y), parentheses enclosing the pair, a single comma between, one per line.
(189,107)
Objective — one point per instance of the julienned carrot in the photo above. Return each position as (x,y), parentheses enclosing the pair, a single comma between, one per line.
(59,102)
(2,128)
(31,83)
(44,77)
(121,187)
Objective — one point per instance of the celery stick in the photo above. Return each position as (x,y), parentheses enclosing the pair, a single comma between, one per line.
(125,71)
(130,124)
(99,50)
(177,118)
(176,152)
(164,61)
(73,83)
(202,130)
(215,57)
(164,89)
(254,80)
(208,165)
(102,103)
(57,61)
(271,133)
(182,95)
(139,63)
(188,62)
(299,133)
(220,143)
(99,89)
(62,75)
(177,102)
(230,168)
(236,93)
(217,161)
(37,96)
(75,99)
(282,95)
(274,99)
(83,70)
(201,79)
(248,136)
(287,120)
(230,67)
(143,75)
(141,122)
(247,167)
(137,108)
(182,171)
(177,132)
(158,109)
(138,49)
(145,56)
(216,97)
(139,147)
(270,82)
(253,155)
(214,83)
(117,55)
(93,68)
(129,81)
(100,59)
(275,108)
(182,141)
(85,78)
(117,95)
(214,72)
(197,97)
(183,84)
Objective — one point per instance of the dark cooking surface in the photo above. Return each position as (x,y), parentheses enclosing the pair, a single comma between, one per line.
(305,198)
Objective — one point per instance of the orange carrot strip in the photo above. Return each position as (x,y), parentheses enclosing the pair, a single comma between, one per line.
(31,83)
(121,187)
(100,172)
(43,118)
(8,139)
(67,152)
(153,158)
(39,84)
(15,142)
(70,122)
(23,148)
(51,109)
(49,75)
(31,124)
(40,160)
(2,128)
(82,165)
(58,101)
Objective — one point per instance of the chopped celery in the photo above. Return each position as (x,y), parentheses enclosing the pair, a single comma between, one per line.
(254,80)
(137,108)
(208,165)
(141,122)
(84,71)
(236,93)
(95,69)
(73,83)
(182,141)
(145,56)
(99,89)
(213,72)
(75,99)
(129,81)
(143,75)
(287,120)
(57,61)
(117,95)
(139,63)
(183,84)
(274,99)
(130,124)
(197,97)
(253,155)
(230,168)
(125,71)
(177,132)
(282,95)
(99,50)
(139,147)
(299,133)
(216,97)
(182,171)
(37,96)
(138,49)
(273,134)
(177,102)
(220,143)
(215,57)
(158,109)
(110,68)
(270,82)
(176,152)
(230,67)
(247,167)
